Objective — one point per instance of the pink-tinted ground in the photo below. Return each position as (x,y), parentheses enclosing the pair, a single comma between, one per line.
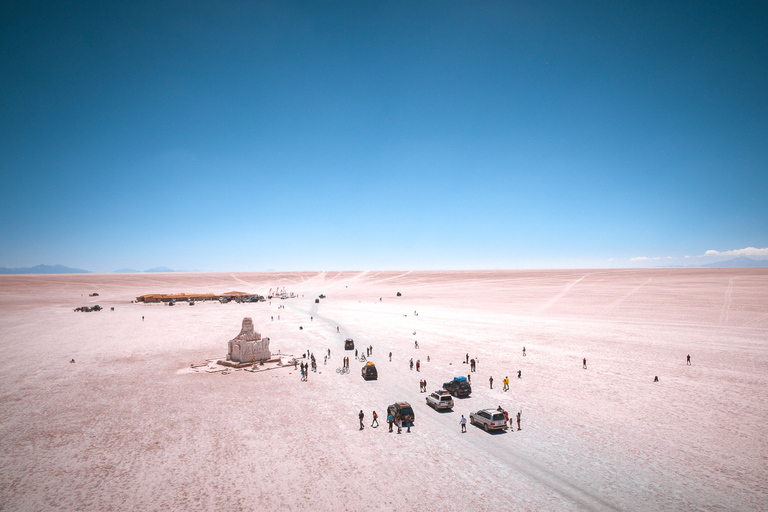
(130,427)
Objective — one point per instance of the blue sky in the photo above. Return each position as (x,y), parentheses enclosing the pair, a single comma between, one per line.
(248,136)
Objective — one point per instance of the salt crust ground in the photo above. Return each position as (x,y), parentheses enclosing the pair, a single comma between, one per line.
(128,428)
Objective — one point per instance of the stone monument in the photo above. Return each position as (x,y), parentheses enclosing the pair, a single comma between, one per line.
(248,346)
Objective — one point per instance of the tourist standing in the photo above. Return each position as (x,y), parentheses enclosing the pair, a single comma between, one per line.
(362,417)
(463,423)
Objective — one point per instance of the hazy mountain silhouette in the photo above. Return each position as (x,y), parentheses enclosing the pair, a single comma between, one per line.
(44,269)
(741,261)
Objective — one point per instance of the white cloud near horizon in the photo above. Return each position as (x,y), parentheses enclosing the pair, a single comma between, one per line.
(747,251)
(643,258)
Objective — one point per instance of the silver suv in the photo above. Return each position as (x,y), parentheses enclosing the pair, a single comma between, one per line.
(489,419)
(440,400)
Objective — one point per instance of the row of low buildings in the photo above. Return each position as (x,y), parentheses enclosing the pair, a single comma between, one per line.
(197,297)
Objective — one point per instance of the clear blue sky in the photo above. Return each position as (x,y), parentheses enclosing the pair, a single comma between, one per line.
(232,136)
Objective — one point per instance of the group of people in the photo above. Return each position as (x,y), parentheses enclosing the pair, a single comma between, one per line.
(422,386)
(391,420)
(304,371)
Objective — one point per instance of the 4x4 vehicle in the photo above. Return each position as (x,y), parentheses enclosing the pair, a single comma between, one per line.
(440,400)
(349,344)
(369,371)
(402,412)
(458,387)
(489,419)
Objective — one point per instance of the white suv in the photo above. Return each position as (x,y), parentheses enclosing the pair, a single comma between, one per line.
(440,400)
(489,419)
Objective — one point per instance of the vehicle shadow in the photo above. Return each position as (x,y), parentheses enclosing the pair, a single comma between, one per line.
(494,432)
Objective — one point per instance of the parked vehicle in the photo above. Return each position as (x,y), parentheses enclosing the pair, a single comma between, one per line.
(440,399)
(369,371)
(317,301)
(402,412)
(349,344)
(489,419)
(458,387)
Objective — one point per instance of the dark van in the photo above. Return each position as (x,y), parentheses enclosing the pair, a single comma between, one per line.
(369,371)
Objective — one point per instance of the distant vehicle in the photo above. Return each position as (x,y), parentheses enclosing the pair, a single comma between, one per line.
(458,387)
(191,303)
(88,309)
(94,294)
(369,371)
(440,400)
(404,411)
(317,301)
(349,344)
(322,296)
(172,302)
(489,419)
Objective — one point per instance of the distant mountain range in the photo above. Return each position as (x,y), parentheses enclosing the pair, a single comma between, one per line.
(61,269)
(151,270)
(134,271)
(739,262)
(44,269)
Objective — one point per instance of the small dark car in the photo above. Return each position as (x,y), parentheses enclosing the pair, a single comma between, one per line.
(458,387)
(349,344)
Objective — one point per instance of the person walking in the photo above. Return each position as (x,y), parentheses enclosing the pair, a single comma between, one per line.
(399,422)
(418,365)
(390,357)
(411,363)
(469,378)
(337,328)
(491,381)
(362,417)
(688,360)
(585,363)
(390,420)
(416,344)
(375,419)
(523,351)
(467,360)
(519,374)
(506,384)
(518,419)
(463,423)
